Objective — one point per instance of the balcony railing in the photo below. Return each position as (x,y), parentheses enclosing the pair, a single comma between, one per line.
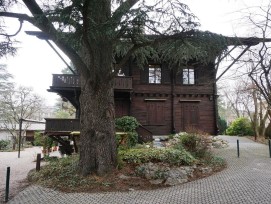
(67,80)
(58,126)
(62,125)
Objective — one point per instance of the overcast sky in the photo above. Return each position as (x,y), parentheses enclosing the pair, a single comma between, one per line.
(36,61)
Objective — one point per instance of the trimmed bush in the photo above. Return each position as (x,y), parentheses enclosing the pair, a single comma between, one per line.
(241,127)
(167,155)
(127,124)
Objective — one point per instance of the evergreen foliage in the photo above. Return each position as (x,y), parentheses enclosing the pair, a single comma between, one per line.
(199,46)
(168,155)
(222,125)
(240,127)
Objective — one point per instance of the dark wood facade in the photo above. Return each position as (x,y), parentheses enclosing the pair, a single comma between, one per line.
(163,100)
(172,106)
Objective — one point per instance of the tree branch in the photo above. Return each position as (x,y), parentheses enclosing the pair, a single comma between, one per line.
(121,11)
(19,16)
(42,22)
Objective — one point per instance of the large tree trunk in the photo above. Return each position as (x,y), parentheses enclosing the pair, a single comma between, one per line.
(97,138)
(98,152)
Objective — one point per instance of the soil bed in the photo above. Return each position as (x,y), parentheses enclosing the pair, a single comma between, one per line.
(123,180)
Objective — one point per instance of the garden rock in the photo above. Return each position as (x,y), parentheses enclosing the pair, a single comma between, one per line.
(160,173)
(157,181)
(217,144)
(206,170)
(177,173)
(174,181)
(151,170)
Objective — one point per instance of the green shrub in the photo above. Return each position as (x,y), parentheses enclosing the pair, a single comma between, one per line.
(222,125)
(171,136)
(195,143)
(241,127)
(178,146)
(215,161)
(167,155)
(58,172)
(38,139)
(47,142)
(189,141)
(127,124)
(3,144)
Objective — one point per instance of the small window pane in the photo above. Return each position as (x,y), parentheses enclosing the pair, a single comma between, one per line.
(188,76)
(154,74)
(185,76)
(191,76)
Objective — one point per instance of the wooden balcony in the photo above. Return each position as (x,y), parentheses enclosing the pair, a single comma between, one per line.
(66,80)
(69,81)
(61,125)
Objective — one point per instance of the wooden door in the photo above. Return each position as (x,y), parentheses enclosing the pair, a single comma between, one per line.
(190,116)
(155,113)
(121,107)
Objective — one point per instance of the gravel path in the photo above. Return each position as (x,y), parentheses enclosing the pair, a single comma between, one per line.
(19,167)
(247,180)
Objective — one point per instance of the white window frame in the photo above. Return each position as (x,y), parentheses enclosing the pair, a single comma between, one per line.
(188,76)
(155,74)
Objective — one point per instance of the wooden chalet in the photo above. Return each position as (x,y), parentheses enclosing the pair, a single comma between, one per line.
(163,100)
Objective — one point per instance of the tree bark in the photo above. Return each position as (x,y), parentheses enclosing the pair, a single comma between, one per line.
(97,136)
(98,150)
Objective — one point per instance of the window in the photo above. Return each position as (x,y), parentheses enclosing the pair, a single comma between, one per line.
(188,76)
(154,74)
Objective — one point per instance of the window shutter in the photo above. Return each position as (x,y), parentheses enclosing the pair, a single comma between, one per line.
(199,75)
(165,75)
(179,77)
(144,75)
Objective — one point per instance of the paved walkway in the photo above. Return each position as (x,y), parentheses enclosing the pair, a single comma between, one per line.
(19,168)
(247,180)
